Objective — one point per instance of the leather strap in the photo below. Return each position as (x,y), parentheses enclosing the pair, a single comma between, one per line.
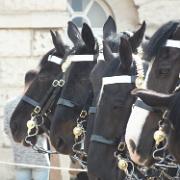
(141,104)
(92,110)
(30,101)
(65,102)
(101,139)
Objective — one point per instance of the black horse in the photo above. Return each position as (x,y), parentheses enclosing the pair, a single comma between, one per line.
(113,110)
(78,90)
(169,102)
(37,93)
(164,56)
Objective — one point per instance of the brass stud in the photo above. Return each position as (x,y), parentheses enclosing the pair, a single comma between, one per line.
(122,164)
(159,136)
(77,131)
(30,125)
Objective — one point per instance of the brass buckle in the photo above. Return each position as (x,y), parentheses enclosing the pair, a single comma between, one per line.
(121,146)
(83,114)
(60,83)
(37,109)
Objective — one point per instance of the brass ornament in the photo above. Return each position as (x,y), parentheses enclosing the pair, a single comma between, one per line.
(122,164)
(30,125)
(77,131)
(159,136)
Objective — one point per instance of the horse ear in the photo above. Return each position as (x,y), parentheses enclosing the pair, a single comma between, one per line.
(137,38)
(58,43)
(88,37)
(108,55)
(153,98)
(109,27)
(125,52)
(74,33)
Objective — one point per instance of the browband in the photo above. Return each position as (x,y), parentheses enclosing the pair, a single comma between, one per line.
(76,58)
(80,58)
(129,33)
(172,43)
(118,79)
(55,59)
(101,56)
(72,58)
(141,104)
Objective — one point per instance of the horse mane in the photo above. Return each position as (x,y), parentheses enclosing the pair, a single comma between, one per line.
(159,38)
(44,59)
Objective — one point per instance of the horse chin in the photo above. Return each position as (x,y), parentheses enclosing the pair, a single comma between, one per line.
(18,137)
(140,160)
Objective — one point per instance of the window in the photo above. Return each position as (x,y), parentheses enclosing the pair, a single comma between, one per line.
(93,12)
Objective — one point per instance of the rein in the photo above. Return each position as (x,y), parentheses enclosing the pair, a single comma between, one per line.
(41,110)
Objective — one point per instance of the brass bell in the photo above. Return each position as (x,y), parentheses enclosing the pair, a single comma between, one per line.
(159,136)
(30,125)
(122,164)
(77,131)
(139,81)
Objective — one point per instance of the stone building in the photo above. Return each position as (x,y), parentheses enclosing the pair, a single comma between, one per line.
(25,24)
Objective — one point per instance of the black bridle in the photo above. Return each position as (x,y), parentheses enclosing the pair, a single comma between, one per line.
(43,108)
(108,141)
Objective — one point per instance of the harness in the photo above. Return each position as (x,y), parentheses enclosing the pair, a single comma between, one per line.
(124,162)
(42,109)
(160,136)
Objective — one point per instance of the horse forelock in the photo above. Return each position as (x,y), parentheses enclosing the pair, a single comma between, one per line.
(158,39)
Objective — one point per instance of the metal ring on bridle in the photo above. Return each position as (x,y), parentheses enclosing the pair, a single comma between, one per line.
(83,114)
(160,122)
(121,146)
(60,83)
(37,109)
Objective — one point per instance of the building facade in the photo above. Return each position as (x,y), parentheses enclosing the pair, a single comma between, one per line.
(25,24)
